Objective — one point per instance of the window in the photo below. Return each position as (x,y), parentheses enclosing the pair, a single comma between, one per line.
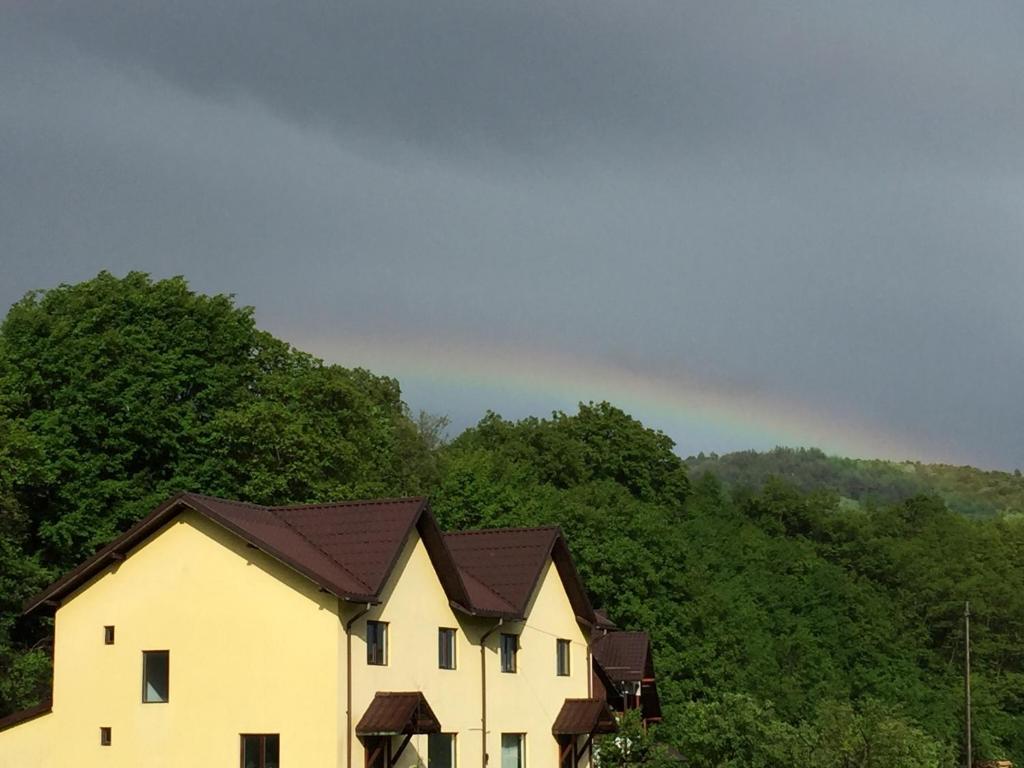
(441,750)
(376,643)
(108,635)
(512,750)
(445,648)
(562,654)
(509,648)
(155,676)
(105,736)
(261,750)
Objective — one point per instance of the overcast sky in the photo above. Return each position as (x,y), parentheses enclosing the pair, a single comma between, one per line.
(814,208)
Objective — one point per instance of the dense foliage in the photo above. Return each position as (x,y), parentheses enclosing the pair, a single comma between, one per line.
(790,627)
(115,393)
(968,490)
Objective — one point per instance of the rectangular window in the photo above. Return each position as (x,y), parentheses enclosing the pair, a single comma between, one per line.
(105,736)
(377,643)
(156,676)
(512,750)
(261,750)
(446,648)
(509,648)
(441,750)
(108,635)
(562,653)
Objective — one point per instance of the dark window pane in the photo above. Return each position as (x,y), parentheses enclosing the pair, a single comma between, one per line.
(509,647)
(251,752)
(105,736)
(155,676)
(108,635)
(441,750)
(376,642)
(446,648)
(271,751)
(562,648)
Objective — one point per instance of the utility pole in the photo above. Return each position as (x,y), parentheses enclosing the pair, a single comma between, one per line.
(969,757)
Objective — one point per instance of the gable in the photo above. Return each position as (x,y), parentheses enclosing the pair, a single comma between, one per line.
(504,566)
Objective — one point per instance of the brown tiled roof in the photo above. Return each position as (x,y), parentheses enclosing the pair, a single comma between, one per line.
(624,655)
(395,713)
(584,716)
(347,548)
(508,562)
(350,548)
(16,718)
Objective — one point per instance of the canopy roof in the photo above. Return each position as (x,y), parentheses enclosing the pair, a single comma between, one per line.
(391,714)
(584,717)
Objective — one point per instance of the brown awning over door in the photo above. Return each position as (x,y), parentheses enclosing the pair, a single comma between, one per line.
(391,714)
(584,717)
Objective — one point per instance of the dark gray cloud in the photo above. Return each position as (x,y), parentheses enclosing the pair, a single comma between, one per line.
(804,201)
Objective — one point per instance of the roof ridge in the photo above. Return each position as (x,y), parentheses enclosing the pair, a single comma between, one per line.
(274,511)
(522,529)
(351,503)
(222,500)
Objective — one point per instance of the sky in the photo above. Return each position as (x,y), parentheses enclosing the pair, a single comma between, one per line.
(746,223)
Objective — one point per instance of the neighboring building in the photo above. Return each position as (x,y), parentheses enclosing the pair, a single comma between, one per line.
(350,635)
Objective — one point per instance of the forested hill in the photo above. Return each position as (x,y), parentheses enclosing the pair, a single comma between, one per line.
(790,628)
(967,490)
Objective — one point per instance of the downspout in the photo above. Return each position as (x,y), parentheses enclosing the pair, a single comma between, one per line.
(348,681)
(483,692)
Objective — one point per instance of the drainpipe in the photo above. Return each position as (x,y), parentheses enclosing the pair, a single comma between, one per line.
(483,692)
(348,681)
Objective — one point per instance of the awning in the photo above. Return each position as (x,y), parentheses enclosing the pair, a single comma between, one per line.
(390,714)
(584,717)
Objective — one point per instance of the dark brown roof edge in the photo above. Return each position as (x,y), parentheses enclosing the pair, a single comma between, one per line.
(572,581)
(45,707)
(115,551)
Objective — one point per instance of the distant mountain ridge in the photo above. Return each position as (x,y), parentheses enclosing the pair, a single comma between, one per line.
(968,490)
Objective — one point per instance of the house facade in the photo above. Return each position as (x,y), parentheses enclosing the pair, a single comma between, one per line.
(351,635)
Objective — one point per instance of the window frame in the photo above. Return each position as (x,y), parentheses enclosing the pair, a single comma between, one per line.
(108,634)
(452,737)
(262,757)
(563,652)
(146,655)
(106,736)
(521,737)
(446,646)
(371,657)
(509,662)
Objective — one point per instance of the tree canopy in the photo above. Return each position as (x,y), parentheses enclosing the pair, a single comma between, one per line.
(790,625)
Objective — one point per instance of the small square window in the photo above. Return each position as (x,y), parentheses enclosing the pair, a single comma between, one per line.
(377,643)
(105,736)
(441,750)
(509,649)
(562,655)
(108,635)
(445,648)
(261,750)
(156,674)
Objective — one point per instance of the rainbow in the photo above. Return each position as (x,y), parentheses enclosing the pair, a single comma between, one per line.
(689,410)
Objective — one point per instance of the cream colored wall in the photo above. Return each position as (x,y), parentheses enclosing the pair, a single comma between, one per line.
(528,700)
(415,605)
(253,649)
